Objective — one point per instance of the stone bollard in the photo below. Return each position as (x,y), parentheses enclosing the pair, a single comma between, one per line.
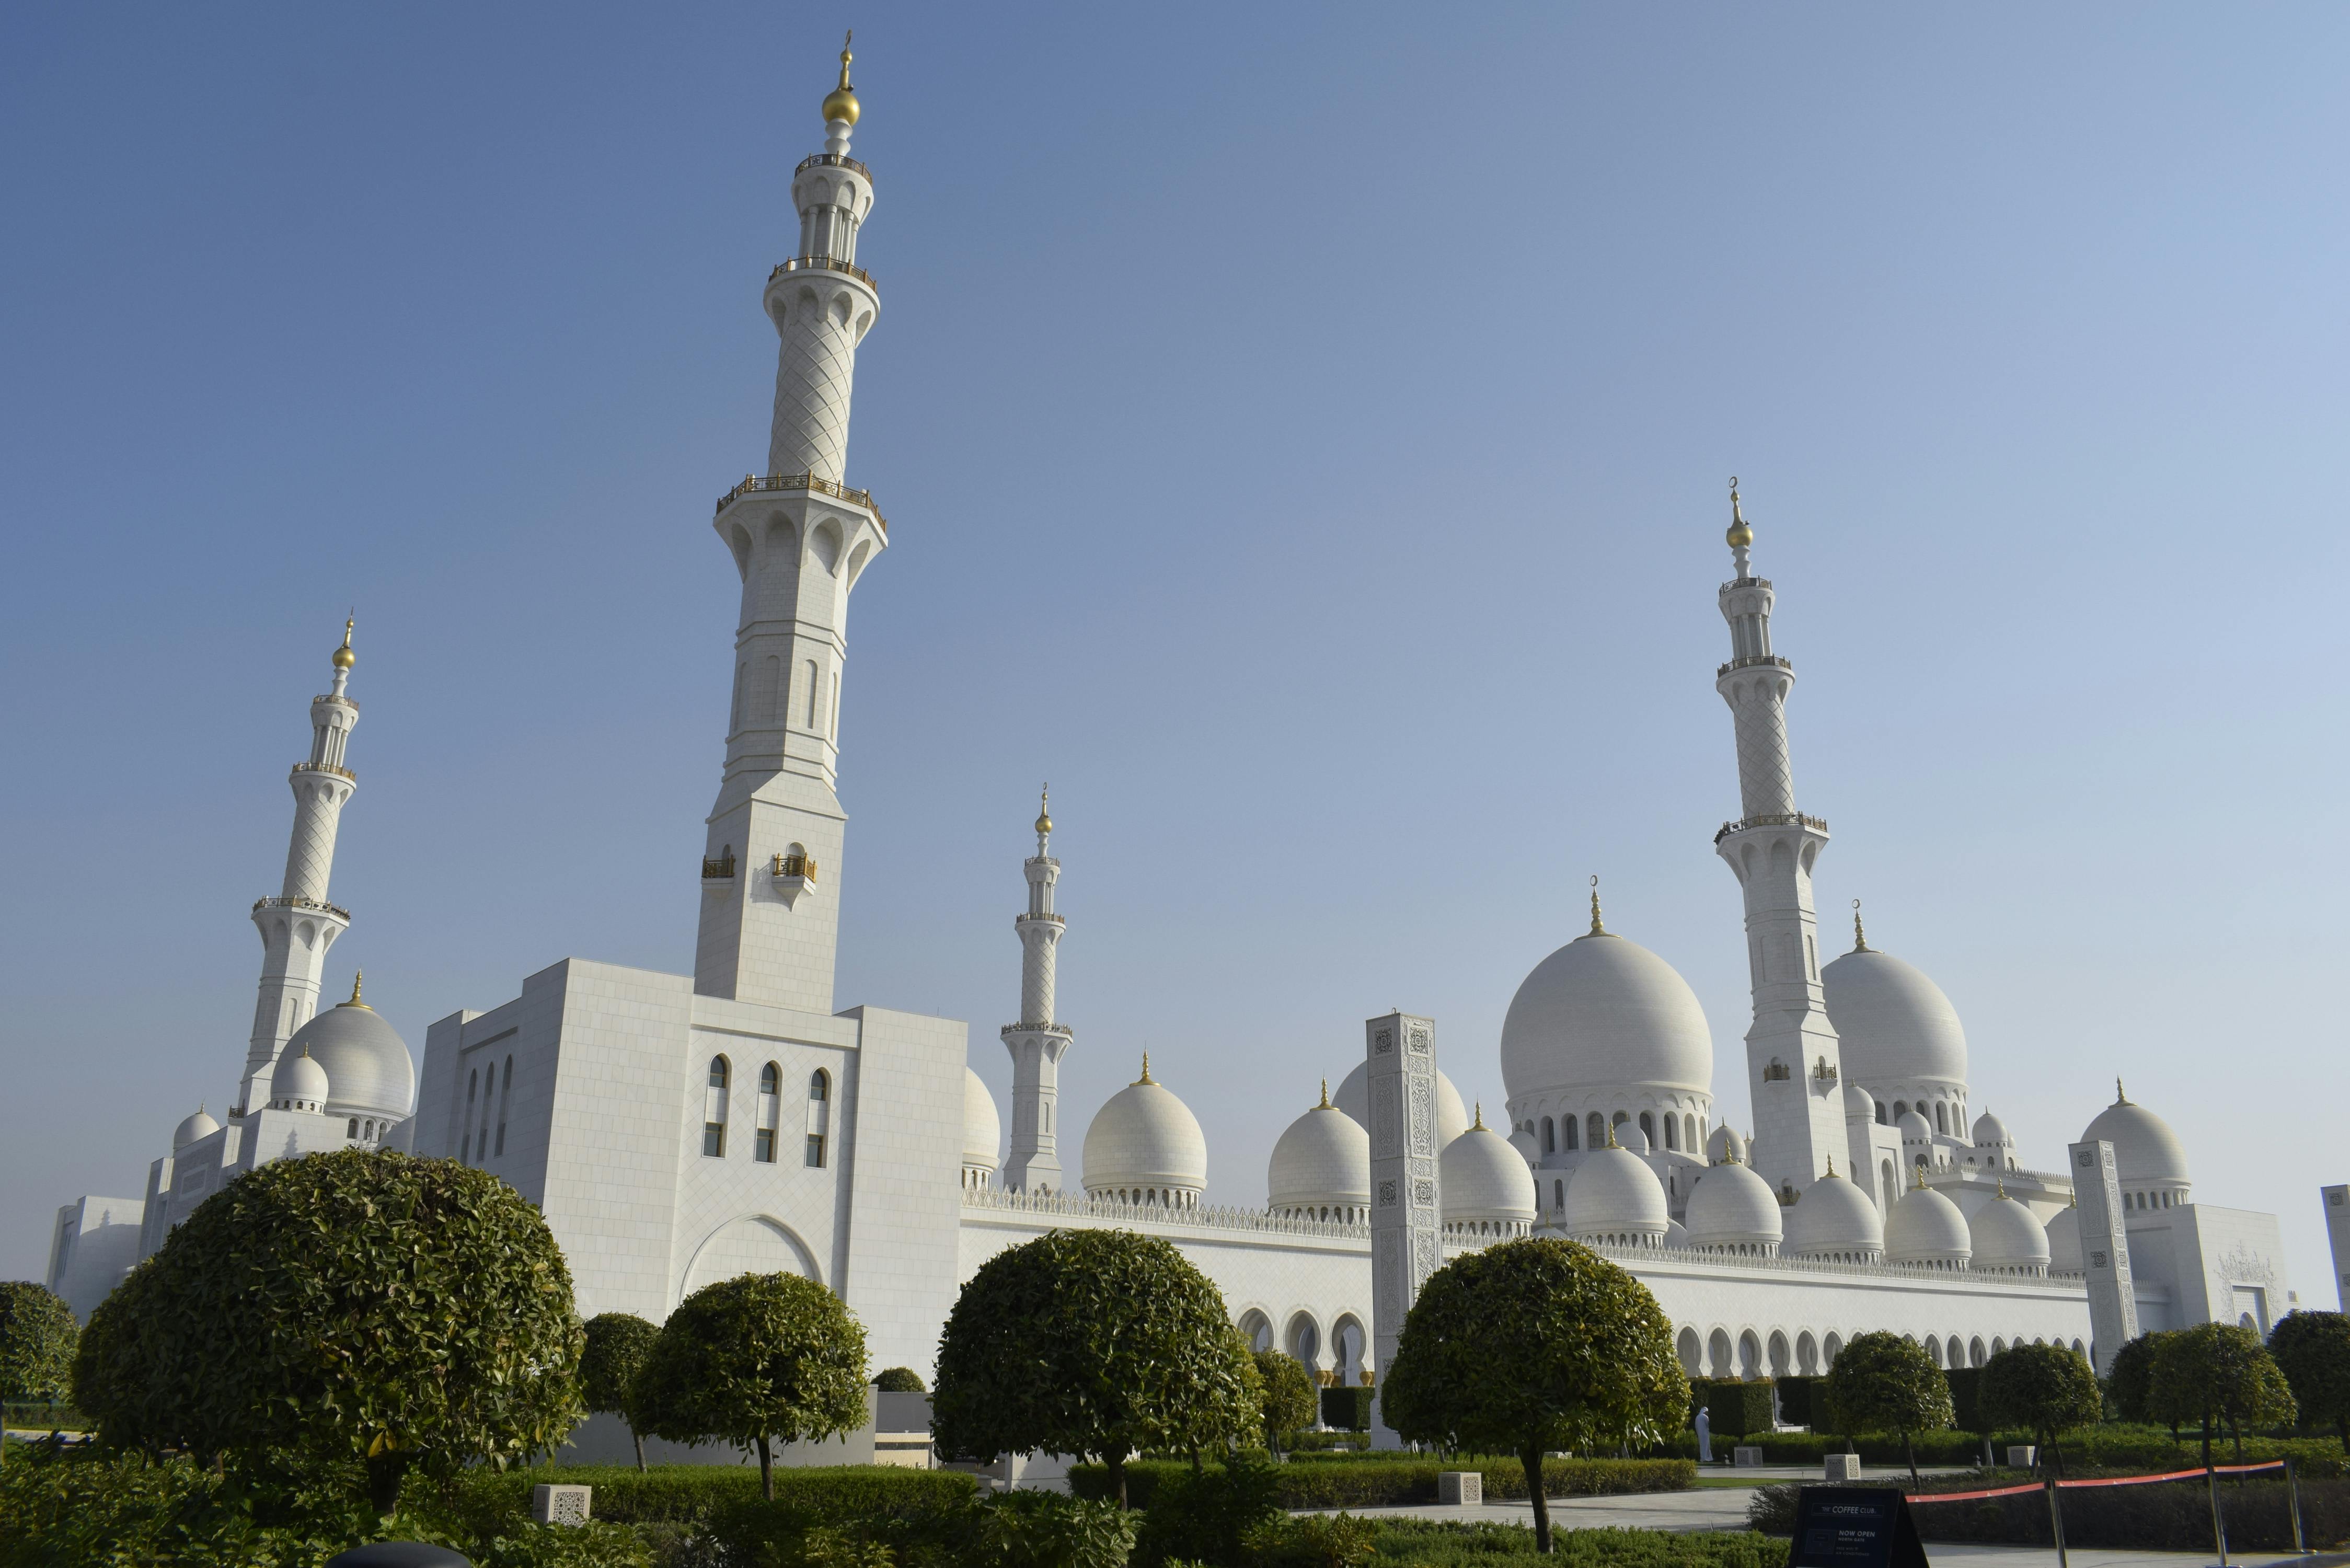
(560,1504)
(1843,1468)
(2022,1457)
(1460,1489)
(1746,1458)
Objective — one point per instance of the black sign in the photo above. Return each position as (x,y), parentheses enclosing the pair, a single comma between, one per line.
(1854,1527)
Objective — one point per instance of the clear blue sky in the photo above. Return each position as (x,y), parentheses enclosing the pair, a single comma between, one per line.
(1303,431)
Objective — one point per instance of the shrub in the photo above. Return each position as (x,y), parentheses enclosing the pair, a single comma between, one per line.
(357,1307)
(1285,1396)
(1798,1401)
(1532,1345)
(2174,1516)
(2214,1374)
(2047,1389)
(899,1380)
(1389,1481)
(2130,1386)
(2313,1351)
(1100,1343)
(1737,1407)
(1426,1544)
(751,1360)
(1884,1383)
(1349,1410)
(38,1333)
(1317,1540)
(1202,1516)
(615,1346)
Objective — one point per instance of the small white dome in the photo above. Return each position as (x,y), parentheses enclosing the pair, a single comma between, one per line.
(1604,1013)
(983,1130)
(1914,1128)
(2005,1235)
(1733,1206)
(1481,1178)
(1354,1097)
(1614,1193)
(365,1059)
(1723,1144)
(200,1125)
(2145,1148)
(1145,1139)
(1676,1235)
(2064,1241)
(1629,1136)
(1523,1142)
(1834,1219)
(1991,1132)
(1894,1026)
(298,1080)
(1860,1104)
(1927,1227)
(1322,1160)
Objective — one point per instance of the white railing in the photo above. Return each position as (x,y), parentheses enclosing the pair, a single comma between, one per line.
(1657,1257)
(1078,1206)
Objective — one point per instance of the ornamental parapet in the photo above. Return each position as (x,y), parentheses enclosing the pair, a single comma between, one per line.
(815,482)
(1754,661)
(1063,1030)
(1258,1221)
(831,160)
(1772,819)
(1746,583)
(718,870)
(326,768)
(319,906)
(1663,1256)
(825,264)
(336,697)
(1048,917)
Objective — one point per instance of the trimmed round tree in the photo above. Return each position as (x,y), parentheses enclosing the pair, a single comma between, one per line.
(357,1305)
(2313,1350)
(1884,1383)
(1096,1343)
(899,1380)
(38,1333)
(1287,1400)
(756,1360)
(2218,1373)
(1532,1345)
(2045,1389)
(617,1345)
(2131,1382)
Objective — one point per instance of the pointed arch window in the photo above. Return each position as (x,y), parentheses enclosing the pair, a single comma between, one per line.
(819,1116)
(1550,1137)
(1567,1127)
(505,1098)
(713,1109)
(472,1087)
(771,1079)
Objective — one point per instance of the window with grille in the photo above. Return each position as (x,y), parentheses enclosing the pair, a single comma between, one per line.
(714,1110)
(769,1081)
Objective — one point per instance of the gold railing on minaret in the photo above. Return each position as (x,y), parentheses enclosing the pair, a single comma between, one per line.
(754,482)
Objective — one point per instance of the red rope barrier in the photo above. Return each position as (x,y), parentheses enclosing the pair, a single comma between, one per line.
(2105,1480)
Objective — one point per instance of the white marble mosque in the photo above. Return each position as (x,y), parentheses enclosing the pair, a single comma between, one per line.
(644,1112)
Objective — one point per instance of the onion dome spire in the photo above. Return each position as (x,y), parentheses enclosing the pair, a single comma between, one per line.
(1146,1077)
(1598,930)
(1831,1165)
(2121,1096)
(344,657)
(1478,1125)
(357,976)
(1325,1097)
(1045,819)
(1859,937)
(840,104)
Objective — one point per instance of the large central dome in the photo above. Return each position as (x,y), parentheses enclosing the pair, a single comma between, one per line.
(1604,1013)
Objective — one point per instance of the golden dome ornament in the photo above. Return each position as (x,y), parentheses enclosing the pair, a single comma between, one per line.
(1739,535)
(343,656)
(840,104)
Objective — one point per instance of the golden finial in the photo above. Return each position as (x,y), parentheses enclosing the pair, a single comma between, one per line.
(2121,1095)
(1325,1097)
(1611,1137)
(2003,1187)
(1146,1069)
(1859,937)
(841,102)
(1597,928)
(1044,814)
(1918,1171)
(343,656)
(356,975)
(1831,1165)
(1479,1125)
(1740,535)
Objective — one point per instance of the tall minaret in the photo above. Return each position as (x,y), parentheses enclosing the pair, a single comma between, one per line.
(1792,1058)
(1038,1042)
(771,863)
(298,926)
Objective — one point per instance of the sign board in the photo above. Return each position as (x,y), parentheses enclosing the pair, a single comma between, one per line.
(1854,1527)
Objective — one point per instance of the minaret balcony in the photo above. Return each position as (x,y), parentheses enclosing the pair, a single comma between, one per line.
(1048,919)
(825,264)
(1754,661)
(831,160)
(815,482)
(315,905)
(1772,819)
(326,768)
(798,870)
(717,875)
(1063,1030)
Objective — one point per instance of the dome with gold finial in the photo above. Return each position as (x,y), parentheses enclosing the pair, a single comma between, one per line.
(363,1056)
(1044,813)
(1321,1167)
(1739,535)
(1145,1146)
(840,104)
(343,656)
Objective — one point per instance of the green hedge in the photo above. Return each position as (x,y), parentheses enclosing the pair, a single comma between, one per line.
(1426,1544)
(2112,1447)
(1801,1403)
(1383,1480)
(1735,1407)
(692,1494)
(1348,1409)
(2173,1516)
